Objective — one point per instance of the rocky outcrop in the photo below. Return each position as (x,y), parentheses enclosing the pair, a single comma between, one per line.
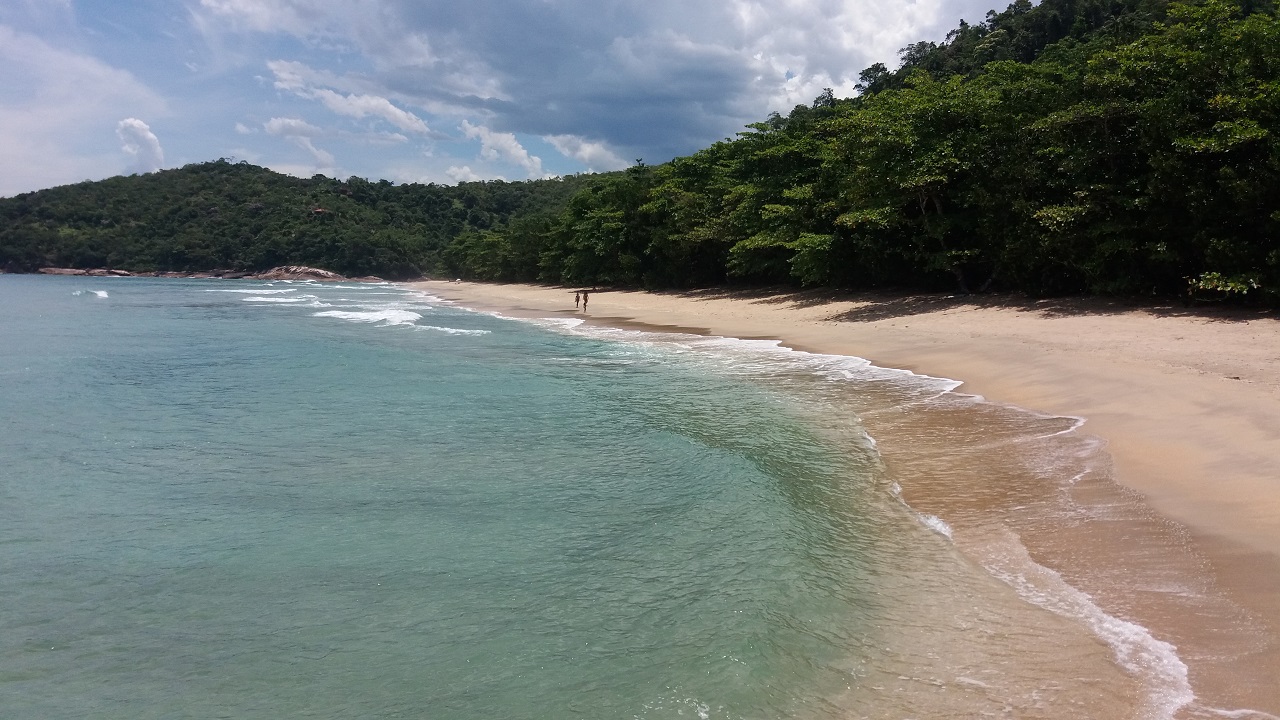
(284,272)
(93,272)
(298,272)
(222,274)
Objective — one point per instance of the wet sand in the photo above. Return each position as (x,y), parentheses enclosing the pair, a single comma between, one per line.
(1187,401)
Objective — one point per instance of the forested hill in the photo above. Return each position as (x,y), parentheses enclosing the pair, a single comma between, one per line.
(1099,146)
(1123,147)
(238,216)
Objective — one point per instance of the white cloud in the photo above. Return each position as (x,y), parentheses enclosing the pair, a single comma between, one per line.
(301,133)
(462,174)
(141,144)
(365,23)
(503,147)
(291,127)
(359,106)
(306,83)
(324,159)
(243,129)
(595,155)
(290,76)
(58,110)
(270,16)
(377,138)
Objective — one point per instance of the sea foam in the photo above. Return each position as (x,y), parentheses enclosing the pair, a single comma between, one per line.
(1153,661)
(254,291)
(451,331)
(288,300)
(383,317)
(936,524)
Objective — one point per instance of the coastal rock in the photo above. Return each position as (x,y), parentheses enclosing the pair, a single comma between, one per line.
(283,272)
(298,272)
(91,272)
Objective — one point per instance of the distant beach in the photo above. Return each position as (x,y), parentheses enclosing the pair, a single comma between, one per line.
(1186,399)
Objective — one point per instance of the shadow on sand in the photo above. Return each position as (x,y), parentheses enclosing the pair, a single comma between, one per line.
(870,307)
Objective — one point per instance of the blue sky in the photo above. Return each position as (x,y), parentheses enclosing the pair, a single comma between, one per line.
(419,90)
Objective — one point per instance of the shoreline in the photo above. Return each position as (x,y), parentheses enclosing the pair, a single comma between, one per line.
(1188,401)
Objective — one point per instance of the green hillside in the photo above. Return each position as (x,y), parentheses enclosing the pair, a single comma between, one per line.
(242,217)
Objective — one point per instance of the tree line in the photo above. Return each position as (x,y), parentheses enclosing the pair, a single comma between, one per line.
(1075,146)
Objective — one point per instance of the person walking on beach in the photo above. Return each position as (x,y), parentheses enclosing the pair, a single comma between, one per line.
(577,297)
(584,300)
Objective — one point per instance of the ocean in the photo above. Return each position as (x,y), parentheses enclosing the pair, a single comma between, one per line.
(253,499)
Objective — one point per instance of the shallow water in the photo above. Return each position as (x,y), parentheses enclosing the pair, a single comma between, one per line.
(247,499)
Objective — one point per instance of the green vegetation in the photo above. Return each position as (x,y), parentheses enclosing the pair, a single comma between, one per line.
(1077,146)
(237,216)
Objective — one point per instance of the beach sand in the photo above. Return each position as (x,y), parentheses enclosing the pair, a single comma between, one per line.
(1187,400)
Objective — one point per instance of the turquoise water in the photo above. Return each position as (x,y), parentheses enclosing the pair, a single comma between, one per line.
(247,499)
(240,499)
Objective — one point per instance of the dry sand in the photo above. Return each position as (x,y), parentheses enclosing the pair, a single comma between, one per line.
(1188,400)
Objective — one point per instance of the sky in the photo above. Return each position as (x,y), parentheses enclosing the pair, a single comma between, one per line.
(438,91)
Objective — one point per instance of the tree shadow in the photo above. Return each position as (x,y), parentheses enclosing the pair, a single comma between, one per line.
(874,306)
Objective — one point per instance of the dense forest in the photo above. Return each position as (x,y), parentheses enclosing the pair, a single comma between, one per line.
(1074,146)
(238,216)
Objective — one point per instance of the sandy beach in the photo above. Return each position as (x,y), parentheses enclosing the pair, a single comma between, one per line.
(1187,400)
